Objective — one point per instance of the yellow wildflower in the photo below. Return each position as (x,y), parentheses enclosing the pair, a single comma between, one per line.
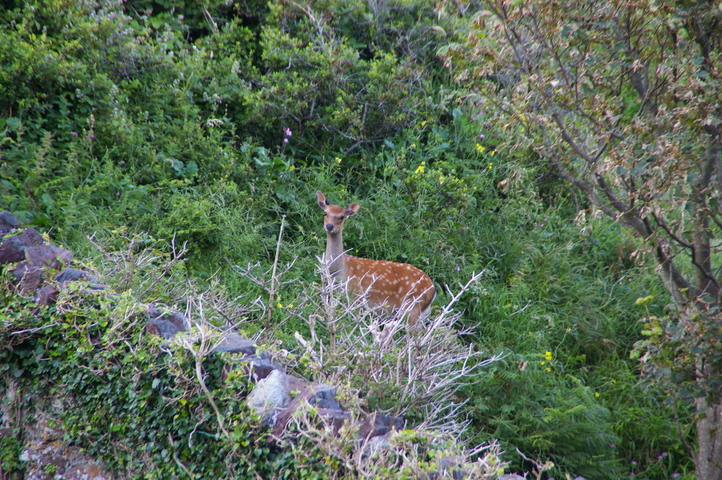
(279,305)
(481,148)
(421,168)
(548,355)
(291,168)
(338,159)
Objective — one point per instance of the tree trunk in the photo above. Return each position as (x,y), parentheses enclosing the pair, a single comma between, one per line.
(708,459)
(709,438)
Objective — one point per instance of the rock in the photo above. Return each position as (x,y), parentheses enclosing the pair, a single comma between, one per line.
(163,328)
(8,222)
(39,259)
(234,343)
(47,256)
(47,295)
(173,316)
(335,417)
(255,367)
(269,397)
(377,424)
(12,249)
(260,366)
(29,278)
(19,271)
(374,445)
(74,275)
(322,397)
(296,384)
(452,467)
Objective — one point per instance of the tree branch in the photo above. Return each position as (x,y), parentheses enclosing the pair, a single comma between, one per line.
(693,256)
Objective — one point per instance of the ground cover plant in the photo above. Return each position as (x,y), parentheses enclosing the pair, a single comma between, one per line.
(212,126)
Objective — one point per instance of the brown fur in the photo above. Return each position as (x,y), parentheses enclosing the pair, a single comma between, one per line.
(389,285)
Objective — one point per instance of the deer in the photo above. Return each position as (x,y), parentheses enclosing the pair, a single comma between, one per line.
(389,286)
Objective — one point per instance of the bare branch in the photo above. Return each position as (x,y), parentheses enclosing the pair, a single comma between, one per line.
(430,363)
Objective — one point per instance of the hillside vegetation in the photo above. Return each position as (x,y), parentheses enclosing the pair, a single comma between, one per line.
(132,129)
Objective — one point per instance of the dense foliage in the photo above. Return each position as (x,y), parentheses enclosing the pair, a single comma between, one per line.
(622,101)
(138,397)
(207,123)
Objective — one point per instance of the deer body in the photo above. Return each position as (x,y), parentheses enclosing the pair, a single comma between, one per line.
(388,285)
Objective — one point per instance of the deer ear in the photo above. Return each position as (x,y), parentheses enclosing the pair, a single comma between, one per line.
(322,202)
(352,209)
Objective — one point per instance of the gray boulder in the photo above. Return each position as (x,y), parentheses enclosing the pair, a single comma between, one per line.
(178,319)
(8,222)
(269,397)
(234,343)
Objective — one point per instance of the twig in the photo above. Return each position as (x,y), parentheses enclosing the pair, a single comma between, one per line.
(209,19)
(198,356)
(272,291)
(33,330)
(539,468)
(177,460)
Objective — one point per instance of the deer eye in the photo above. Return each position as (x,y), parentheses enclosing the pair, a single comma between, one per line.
(341,217)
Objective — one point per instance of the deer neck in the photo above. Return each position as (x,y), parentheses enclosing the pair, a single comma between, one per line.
(335,257)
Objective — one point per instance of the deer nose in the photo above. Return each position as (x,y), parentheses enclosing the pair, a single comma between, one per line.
(329,226)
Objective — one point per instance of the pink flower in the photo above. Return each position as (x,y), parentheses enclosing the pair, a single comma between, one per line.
(73,133)
(288,132)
